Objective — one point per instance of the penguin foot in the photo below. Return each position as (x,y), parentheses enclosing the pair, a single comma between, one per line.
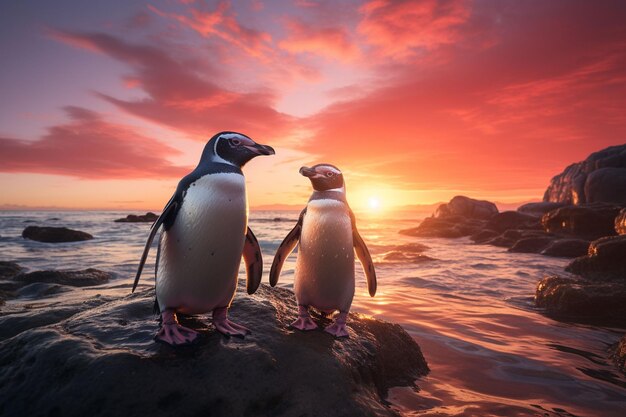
(173,333)
(227,327)
(338,328)
(304,323)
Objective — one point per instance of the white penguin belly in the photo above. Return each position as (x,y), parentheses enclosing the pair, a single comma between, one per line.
(324,274)
(200,254)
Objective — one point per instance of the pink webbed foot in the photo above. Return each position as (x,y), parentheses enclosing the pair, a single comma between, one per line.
(227,327)
(173,333)
(304,321)
(338,328)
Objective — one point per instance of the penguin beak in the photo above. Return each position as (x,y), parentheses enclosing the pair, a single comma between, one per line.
(307,172)
(259,149)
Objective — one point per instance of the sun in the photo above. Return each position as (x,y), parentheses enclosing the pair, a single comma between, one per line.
(373,203)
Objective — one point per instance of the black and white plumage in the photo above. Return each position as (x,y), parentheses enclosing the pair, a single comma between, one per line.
(327,236)
(204,236)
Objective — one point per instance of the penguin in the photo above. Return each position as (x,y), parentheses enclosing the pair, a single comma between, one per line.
(204,235)
(328,237)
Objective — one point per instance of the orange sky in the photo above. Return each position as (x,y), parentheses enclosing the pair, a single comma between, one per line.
(107,105)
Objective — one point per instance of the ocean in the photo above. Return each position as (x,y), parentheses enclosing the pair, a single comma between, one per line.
(470,308)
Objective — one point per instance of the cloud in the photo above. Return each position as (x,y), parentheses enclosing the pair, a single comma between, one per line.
(329,42)
(90,147)
(184,96)
(398,28)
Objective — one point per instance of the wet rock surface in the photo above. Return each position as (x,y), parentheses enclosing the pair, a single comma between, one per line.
(467,208)
(98,358)
(589,221)
(567,248)
(54,234)
(605,261)
(539,208)
(142,218)
(601,303)
(83,278)
(589,181)
(619,355)
(620,222)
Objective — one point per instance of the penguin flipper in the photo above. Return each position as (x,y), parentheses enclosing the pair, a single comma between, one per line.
(169,209)
(364,256)
(285,248)
(254,262)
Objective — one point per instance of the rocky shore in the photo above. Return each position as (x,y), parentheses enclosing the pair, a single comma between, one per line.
(96,356)
(583,216)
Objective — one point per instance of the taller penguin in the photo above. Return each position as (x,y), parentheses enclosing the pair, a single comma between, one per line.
(205,233)
(328,238)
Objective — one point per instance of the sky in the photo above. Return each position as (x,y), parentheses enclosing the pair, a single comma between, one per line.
(107,104)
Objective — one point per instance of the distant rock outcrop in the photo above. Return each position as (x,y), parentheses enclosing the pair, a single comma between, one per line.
(142,218)
(599,178)
(54,234)
(103,358)
(468,208)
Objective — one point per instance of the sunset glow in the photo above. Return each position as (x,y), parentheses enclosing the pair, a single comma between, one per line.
(109,106)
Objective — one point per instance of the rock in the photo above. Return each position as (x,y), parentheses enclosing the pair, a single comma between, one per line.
(531,244)
(434,227)
(133,218)
(620,222)
(399,256)
(84,278)
(467,208)
(605,261)
(9,269)
(619,356)
(590,221)
(578,185)
(512,220)
(483,236)
(54,234)
(105,360)
(567,248)
(597,302)
(540,208)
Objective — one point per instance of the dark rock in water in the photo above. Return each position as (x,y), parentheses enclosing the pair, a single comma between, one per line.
(105,361)
(620,222)
(567,248)
(54,234)
(605,261)
(412,247)
(501,241)
(84,278)
(540,208)
(399,256)
(434,227)
(590,221)
(467,208)
(9,269)
(577,184)
(512,220)
(483,236)
(581,300)
(133,218)
(619,356)
(531,244)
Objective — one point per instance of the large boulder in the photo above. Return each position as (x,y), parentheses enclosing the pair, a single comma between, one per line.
(590,221)
(605,261)
(566,248)
(512,220)
(102,361)
(54,234)
(468,208)
(539,208)
(620,222)
(581,300)
(578,184)
(142,218)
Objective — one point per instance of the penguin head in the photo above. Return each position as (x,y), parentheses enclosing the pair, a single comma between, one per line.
(233,148)
(324,177)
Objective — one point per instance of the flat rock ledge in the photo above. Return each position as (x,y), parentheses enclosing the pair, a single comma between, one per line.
(103,361)
(142,218)
(54,234)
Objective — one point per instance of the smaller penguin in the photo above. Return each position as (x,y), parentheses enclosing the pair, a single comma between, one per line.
(327,234)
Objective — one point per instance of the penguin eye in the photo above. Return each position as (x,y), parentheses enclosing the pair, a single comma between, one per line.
(329,174)
(235,142)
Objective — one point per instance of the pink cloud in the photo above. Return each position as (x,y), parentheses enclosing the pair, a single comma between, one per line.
(330,42)
(90,147)
(180,96)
